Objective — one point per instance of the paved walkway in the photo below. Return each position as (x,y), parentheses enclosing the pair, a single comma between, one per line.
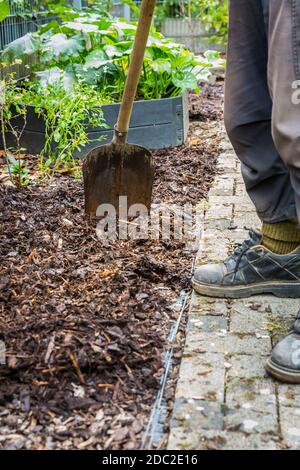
(224,399)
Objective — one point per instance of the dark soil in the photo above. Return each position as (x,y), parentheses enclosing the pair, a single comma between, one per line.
(84,321)
(208,105)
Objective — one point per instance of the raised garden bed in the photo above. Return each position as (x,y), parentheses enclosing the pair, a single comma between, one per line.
(154,124)
(72,303)
(81,65)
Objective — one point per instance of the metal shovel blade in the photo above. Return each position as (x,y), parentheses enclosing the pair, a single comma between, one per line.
(114,170)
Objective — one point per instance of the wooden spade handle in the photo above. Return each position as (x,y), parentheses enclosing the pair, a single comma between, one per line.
(136,63)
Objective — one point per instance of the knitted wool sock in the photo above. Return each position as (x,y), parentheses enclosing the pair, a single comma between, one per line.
(282,237)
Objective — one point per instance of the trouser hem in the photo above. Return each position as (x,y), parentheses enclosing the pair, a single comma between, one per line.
(287,214)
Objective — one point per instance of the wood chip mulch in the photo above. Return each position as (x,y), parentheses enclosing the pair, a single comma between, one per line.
(208,106)
(85,321)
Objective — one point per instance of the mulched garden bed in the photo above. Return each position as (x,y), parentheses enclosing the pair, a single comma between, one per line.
(85,322)
(208,105)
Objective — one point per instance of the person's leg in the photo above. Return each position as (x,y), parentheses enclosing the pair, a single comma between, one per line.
(248,109)
(253,268)
(283,70)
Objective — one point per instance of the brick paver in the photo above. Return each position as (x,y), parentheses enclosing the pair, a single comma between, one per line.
(224,398)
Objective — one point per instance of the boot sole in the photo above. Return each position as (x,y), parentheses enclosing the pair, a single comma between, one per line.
(279,289)
(282,374)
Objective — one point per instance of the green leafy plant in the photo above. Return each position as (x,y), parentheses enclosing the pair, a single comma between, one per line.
(12,109)
(80,64)
(95,50)
(4,9)
(215,18)
(67,117)
(213,14)
(18,171)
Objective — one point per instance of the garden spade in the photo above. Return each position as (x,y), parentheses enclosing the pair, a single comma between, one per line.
(119,168)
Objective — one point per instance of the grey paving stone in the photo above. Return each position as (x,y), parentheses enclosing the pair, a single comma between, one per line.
(251,406)
(251,394)
(251,422)
(223,186)
(240,188)
(246,219)
(181,438)
(290,426)
(201,342)
(283,308)
(248,345)
(202,377)
(240,180)
(229,200)
(249,318)
(189,413)
(219,211)
(208,252)
(220,440)
(230,235)
(225,145)
(224,397)
(247,367)
(239,441)
(219,224)
(289,396)
(245,205)
(207,306)
(207,324)
(227,160)
(229,344)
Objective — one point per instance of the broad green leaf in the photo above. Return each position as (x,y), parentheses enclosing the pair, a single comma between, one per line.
(202,73)
(211,55)
(102,23)
(118,49)
(92,76)
(185,80)
(4,9)
(166,44)
(161,66)
(26,45)
(55,75)
(84,27)
(96,59)
(183,59)
(124,46)
(61,47)
(123,28)
(123,25)
(89,76)
(48,29)
(113,51)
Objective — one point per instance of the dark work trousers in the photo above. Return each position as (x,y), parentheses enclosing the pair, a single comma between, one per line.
(262,102)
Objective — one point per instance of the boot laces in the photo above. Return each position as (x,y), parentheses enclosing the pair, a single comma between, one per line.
(240,249)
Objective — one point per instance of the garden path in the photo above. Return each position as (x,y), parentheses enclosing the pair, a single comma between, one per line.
(224,398)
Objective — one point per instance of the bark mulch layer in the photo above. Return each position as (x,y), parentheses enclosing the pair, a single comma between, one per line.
(85,322)
(208,105)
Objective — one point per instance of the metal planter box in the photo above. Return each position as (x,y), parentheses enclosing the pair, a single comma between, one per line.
(154,124)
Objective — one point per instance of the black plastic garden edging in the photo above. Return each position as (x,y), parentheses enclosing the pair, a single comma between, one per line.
(154,124)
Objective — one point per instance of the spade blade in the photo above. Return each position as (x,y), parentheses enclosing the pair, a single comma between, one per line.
(114,170)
